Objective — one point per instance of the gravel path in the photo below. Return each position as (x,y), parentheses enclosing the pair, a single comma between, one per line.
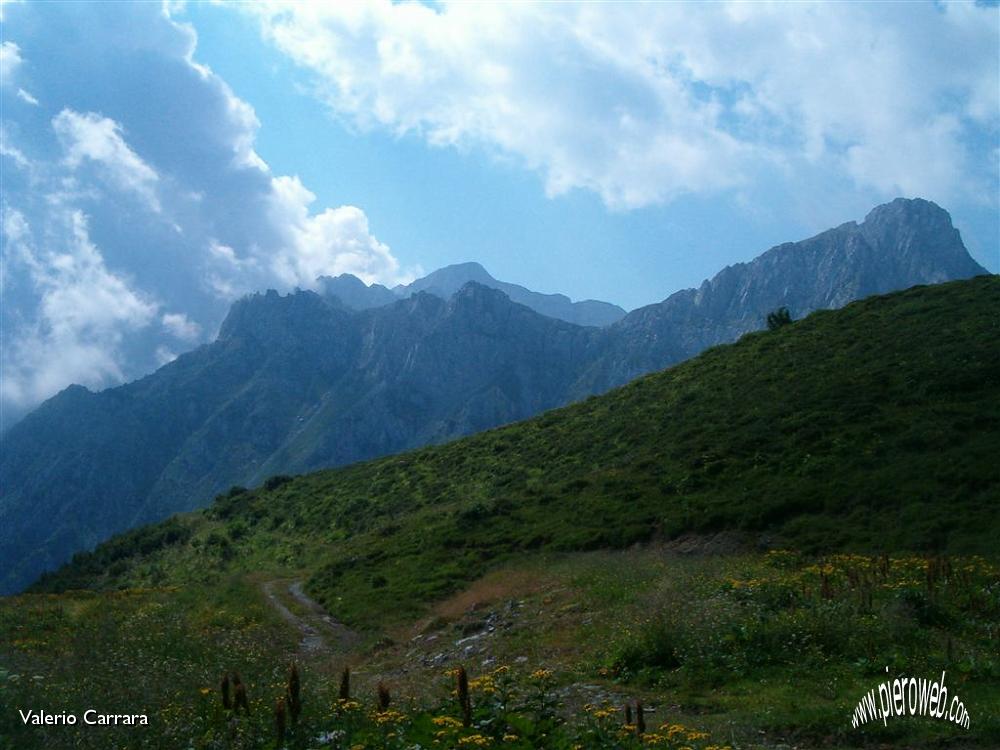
(319,630)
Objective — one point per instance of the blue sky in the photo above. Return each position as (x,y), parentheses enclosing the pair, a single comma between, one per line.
(159,161)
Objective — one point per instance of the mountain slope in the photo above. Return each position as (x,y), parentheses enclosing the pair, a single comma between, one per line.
(873,427)
(292,384)
(301,382)
(899,244)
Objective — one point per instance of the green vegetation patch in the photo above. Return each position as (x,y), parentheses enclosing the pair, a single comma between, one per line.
(870,428)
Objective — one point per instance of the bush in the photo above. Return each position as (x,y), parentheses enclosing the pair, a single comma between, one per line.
(778,318)
(654,648)
(276,481)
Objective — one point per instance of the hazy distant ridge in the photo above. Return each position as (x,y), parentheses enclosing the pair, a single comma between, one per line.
(446,281)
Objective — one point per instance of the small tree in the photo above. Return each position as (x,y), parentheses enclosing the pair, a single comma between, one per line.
(778,318)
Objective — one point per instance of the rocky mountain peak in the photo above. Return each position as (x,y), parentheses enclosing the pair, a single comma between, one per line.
(448,280)
(918,235)
(912,211)
(270,316)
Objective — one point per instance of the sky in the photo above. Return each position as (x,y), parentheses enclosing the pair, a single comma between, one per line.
(161,160)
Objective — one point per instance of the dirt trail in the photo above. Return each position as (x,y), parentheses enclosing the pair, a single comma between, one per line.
(320,631)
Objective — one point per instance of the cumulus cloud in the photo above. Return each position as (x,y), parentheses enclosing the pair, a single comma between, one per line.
(139,116)
(181,327)
(91,137)
(85,312)
(229,273)
(665,99)
(296,246)
(10,61)
(334,241)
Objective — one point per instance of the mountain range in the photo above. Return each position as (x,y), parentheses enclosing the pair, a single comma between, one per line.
(872,427)
(311,380)
(447,281)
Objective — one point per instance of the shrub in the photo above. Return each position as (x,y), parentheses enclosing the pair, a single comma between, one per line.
(273,483)
(778,318)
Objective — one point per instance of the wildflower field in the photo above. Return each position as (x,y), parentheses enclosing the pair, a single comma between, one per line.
(676,651)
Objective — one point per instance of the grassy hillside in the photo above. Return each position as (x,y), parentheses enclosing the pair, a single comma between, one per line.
(874,427)
(858,446)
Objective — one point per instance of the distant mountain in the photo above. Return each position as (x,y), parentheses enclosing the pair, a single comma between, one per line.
(899,245)
(446,281)
(304,381)
(354,293)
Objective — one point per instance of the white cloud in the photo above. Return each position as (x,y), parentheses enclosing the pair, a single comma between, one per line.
(12,152)
(242,115)
(164,355)
(10,61)
(91,137)
(646,103)
(229,274)
(146,120)
(227,255)
(25,96)
(181,327)
(84,314)
(301,246)
(335,241)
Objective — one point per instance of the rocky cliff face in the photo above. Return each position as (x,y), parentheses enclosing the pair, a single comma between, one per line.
(303,381)
(899,245)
